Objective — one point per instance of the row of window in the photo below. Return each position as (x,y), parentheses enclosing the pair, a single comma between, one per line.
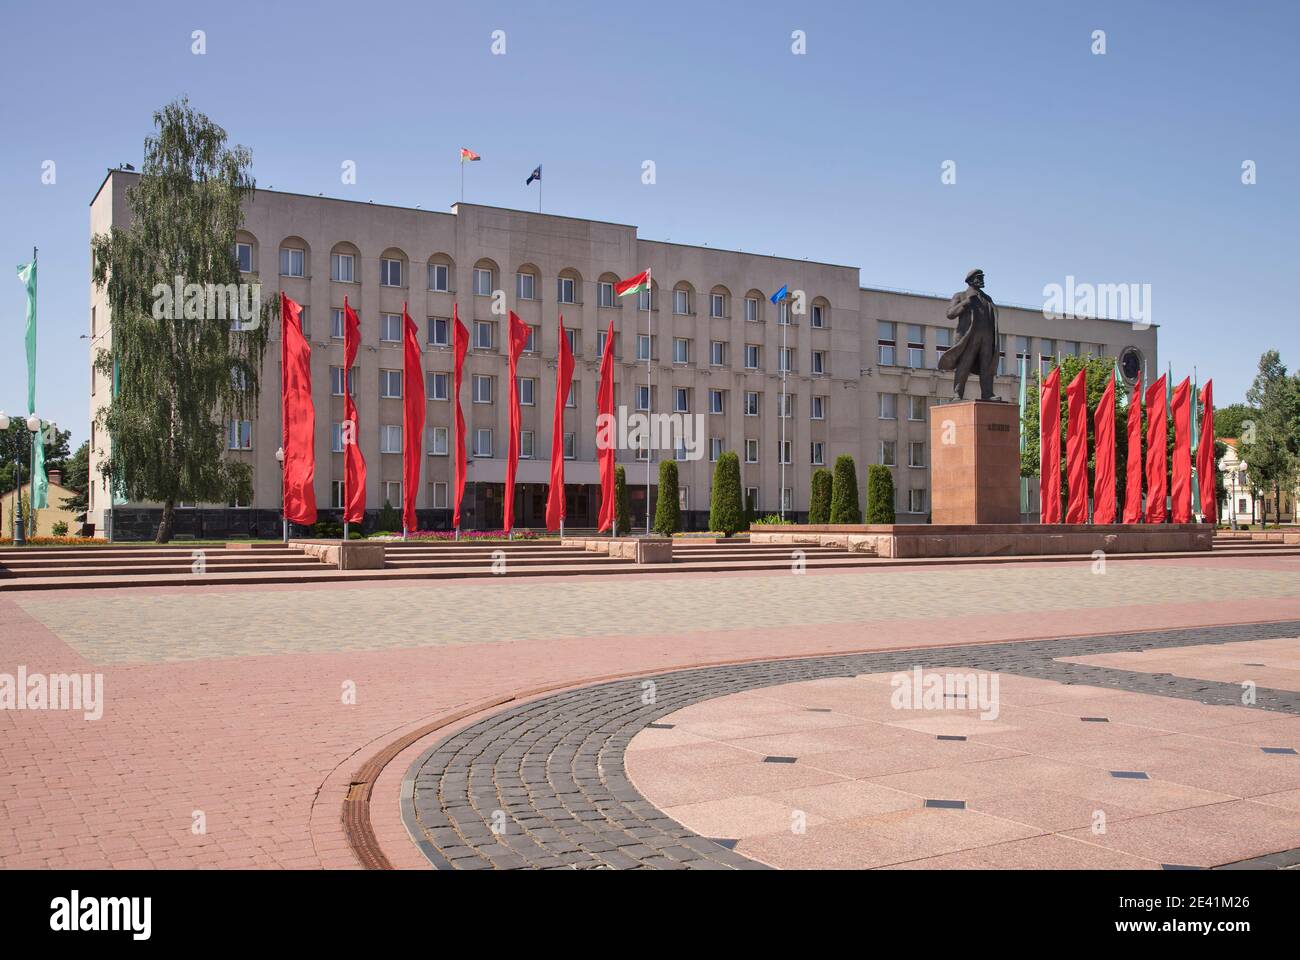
(343,269)
(912,355)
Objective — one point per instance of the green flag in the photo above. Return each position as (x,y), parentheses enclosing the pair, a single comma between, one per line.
(1121,390)
(40,494)
(27,274)
(1024,386)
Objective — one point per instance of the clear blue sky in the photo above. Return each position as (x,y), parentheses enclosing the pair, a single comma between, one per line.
(1117,168)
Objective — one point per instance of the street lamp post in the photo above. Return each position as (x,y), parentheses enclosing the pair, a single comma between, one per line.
(284,518)
(19,539)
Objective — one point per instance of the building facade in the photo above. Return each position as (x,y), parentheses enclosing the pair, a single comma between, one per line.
(860,363)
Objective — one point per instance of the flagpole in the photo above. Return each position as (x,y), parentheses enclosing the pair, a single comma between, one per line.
(785,330)
(649,387)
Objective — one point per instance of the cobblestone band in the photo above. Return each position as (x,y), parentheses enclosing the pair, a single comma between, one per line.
(543,785)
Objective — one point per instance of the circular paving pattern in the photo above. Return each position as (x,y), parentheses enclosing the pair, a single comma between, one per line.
(543,784)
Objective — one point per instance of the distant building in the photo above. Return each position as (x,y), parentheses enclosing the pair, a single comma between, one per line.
(46,518)
(861,362)
(1244,505)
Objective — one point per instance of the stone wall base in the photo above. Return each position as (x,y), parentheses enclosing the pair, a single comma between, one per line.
(344,554)
(901,541)
(636,549)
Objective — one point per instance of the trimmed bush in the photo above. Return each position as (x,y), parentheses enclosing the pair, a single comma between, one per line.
(844,492)
(726,511)
(880,494)
(667,510)
(622,511)
(819,502)
(390,521)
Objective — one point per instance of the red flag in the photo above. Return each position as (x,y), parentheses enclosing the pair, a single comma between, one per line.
(1206,466)
(518,340)
(354,464)
(460,342)
(414,402)
(1157,433)
(605,440)
(563,380)
(1049,449)
(1181,486)
(1103,432)
(298,417)
(1076,449)
(1133,461)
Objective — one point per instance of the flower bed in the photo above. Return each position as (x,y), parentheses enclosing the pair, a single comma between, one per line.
(57,541)
(448,535)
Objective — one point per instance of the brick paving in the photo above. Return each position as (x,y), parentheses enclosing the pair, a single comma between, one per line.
(226,701)
(545,785)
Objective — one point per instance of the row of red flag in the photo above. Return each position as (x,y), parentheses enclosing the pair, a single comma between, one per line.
(299,422)
(1103,488)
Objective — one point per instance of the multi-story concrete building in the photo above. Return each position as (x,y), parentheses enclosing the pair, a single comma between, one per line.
(861,361)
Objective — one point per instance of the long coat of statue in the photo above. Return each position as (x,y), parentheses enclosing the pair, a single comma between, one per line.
(976,348)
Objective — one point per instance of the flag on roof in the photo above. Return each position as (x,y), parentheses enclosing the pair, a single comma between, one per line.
(467,154)
(535,175)
(633,284)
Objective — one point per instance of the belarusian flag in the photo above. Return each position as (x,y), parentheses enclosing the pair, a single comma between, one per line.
(633,284)
(468,155)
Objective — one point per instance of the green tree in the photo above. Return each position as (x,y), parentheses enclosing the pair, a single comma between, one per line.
(389,519)
(667,509)
(1229,420)
(623,512)
(880,494)
(181,371)
(726,511)
(844,492)
(819,499)
(76,477)
(1273,454)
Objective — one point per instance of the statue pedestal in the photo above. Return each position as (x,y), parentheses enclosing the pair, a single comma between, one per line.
(974,463)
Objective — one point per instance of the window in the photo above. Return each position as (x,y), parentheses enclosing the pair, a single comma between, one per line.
(751,356)
(526,444)
(390,438)
(751,499)
(600,343)
(1022,355)
(818,363)
(716,404)
(530,344)
(604,294)
(783,313)
(642,397)
(643,346)
(390,327)
(1046,356)
(642,451)
(336,324)
(483,337)
(887,452)
(525,286)
(751,309)
(785,405)
(570,446)
(342,267)
(818,453)
(439,331)
(783,451)
(784,359)
(527,392)
(818,409)
(244,257)
(390,273)
(679,452)
(942,343)
(684,498)
(336,437)
(336,381)
(482,282)
(915,346)
(681,400)
(437,441)
(291,262)
(483,442)
(440,494)
(239,435)
(645,300)
(751,450)
(916,453)
(393,492)
(916,408)
(715,449)
(575,342)
(751,403)
(437,385)
(571,400)
(681,350)
(916,501)
(336,494)
(1002,354)
(717,353)
(482,387)
(438,277)
(885,343)
(566,290)
(888,406)
(681,302)
(390,384)
(717,306)
(818,316)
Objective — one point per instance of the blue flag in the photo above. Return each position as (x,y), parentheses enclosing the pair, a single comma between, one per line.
(782,293)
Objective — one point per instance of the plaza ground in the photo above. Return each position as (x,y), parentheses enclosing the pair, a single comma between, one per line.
(232,707)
